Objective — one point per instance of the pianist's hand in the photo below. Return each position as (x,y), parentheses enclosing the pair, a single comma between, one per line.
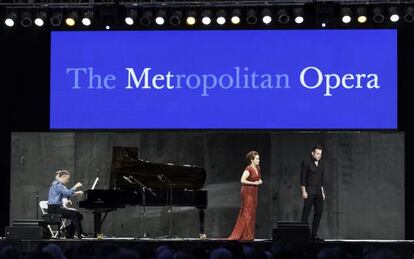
(77,185)
(79,193)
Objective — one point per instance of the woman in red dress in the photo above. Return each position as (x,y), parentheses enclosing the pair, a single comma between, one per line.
(250,180)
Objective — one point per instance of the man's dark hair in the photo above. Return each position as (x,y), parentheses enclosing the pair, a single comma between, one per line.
(316,147)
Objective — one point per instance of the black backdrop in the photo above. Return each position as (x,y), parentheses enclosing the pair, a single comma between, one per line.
(24,86)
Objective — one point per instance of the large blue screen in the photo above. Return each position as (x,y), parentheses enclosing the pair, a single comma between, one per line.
(227,79)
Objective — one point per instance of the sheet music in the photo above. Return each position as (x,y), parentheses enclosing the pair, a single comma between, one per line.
(94,183)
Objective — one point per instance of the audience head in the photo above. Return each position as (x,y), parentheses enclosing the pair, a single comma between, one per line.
(221,253)
(54,251)
(9,252)
(249,252)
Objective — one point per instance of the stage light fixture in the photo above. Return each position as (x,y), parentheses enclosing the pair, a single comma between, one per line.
(378,16)
(283,16)
(87,18)
(393,12)
(266,16)
(176,18)
(26,19)
(40,18)
(346,14)
(361,13)
(160,17)
(10,20)
(191,17)
(251,16)
(298,14)
(71,18)
(146,18)
(130,17)
(221,16)
(56,19)
(235,16)
(206,17)
(409,14)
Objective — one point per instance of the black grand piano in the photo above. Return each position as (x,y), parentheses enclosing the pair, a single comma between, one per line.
(170,185)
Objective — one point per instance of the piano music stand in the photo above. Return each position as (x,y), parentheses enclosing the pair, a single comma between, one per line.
(143,188)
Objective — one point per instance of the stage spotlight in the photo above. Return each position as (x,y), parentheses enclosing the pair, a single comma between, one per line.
(26,19)
(71,19)
(40,19)
(10,19)
(393,11)
(283,16)
(251,16)
(235,16)
(87,18)
(206,17)
(56,19)
(146,18)
(266,16)
(346,14)
(160,17)
(221,16)
(378,16)
(130,17)
(176,18)
(409,14)
(191,17)
(298,14)
(361,13)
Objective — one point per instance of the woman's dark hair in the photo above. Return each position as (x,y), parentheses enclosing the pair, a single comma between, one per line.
(250,156)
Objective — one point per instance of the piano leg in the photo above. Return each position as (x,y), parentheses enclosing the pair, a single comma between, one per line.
(97,217)
(201,216)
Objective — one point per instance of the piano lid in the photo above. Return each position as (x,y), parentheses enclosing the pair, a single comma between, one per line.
(125,162)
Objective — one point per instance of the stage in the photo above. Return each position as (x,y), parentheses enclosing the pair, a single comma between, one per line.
(353,248)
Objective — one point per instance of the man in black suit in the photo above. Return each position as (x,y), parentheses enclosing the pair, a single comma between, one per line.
(312,182)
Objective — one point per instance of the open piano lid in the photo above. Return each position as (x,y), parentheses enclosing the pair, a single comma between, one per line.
(125,162)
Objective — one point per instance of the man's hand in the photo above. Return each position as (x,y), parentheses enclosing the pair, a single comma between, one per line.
(79,193)
(305,195)
(77,185)
(323,195)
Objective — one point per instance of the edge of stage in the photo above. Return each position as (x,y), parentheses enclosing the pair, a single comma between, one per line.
(351,246)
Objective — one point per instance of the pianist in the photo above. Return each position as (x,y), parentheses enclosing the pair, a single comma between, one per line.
(57,192)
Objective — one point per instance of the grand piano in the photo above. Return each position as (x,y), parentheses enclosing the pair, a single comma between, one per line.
(169,185)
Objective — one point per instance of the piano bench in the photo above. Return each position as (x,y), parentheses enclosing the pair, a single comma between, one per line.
(53,219)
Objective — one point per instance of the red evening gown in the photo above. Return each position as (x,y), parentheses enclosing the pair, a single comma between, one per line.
(246,221)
